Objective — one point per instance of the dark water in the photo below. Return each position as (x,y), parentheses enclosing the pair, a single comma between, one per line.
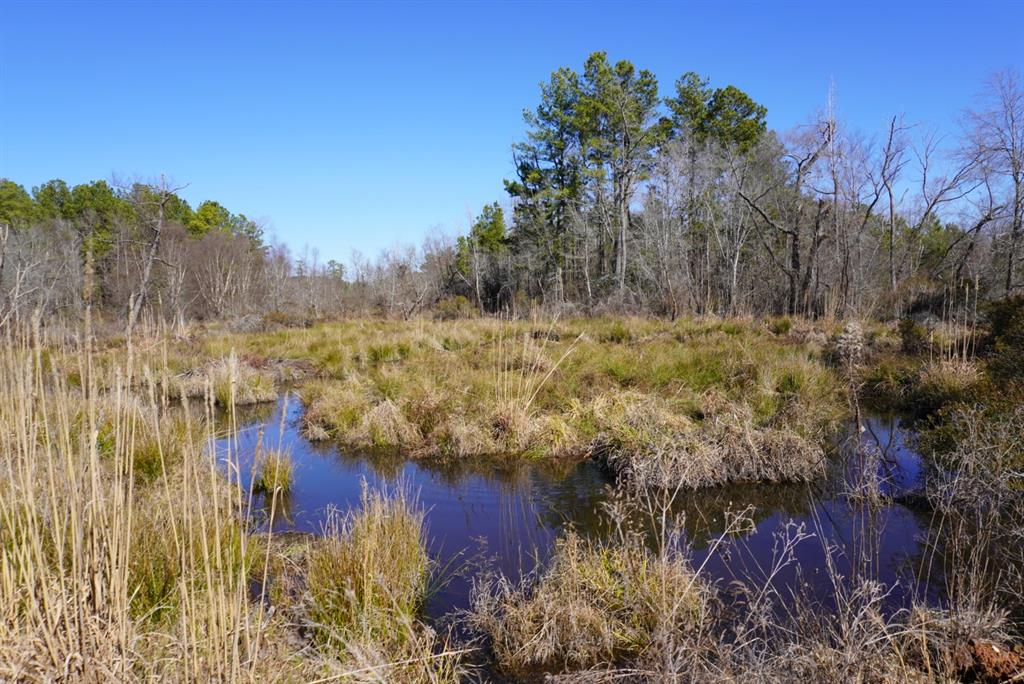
(505,516)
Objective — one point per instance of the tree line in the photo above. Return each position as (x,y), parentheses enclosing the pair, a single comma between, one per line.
(624,199)
(689,203)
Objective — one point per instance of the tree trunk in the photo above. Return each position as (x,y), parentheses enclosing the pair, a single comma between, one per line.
(136,301)
(1018,219)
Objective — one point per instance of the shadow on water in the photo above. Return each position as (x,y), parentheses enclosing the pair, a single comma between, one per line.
(505,516)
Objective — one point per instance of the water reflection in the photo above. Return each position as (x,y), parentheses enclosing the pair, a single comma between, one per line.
(509,512)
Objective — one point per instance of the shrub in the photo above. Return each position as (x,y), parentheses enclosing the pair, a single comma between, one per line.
(1006,339)
(913,336)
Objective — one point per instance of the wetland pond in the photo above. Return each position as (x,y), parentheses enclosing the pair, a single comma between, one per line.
(505,517)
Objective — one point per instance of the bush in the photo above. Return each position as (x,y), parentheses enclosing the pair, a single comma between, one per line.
(913,336)
(453,308)
(1005,341)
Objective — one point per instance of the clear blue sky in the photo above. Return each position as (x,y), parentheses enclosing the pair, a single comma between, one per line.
(361,125)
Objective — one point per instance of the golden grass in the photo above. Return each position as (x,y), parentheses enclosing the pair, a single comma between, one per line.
(274,473)
(595,604)
(486,387)
(104,575)
(127,553)
(369,570)
(359,590)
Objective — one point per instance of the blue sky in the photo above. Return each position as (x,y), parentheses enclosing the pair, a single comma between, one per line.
(362,125)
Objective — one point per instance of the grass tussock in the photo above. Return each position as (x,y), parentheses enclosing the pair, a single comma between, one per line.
(274,473)
(359,589)
(648,445)
(594,604)
(369,568)
(230,383)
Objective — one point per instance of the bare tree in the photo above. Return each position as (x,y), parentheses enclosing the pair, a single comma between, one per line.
(151,207)
(996,131)
(807,148)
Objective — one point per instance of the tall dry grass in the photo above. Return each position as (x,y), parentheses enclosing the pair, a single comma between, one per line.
(127,551)
(108,570)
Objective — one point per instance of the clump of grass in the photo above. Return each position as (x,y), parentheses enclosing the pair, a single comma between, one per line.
(781,326)
(944,382)
(369,570)
(630,421)
(593,604)
(351,412)
(555,436)
(333,409)
(385,353)
(385,427)
(460,437)
(716,454)
(366,581)
(274,473)
(732,328)
(616,332)
(229,382)
(888,380)
(648,445)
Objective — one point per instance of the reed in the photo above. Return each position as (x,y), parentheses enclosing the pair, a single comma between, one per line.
(105,574)
(127,550)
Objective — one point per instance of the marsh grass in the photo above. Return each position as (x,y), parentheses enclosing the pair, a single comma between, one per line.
(274,473)
(127,552)
(483,388)
(625,606)
(364,584)
(369,567)
(105,574)
(594,604)
(635,607)
(232,383)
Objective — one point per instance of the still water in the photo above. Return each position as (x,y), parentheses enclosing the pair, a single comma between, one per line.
(506,516)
